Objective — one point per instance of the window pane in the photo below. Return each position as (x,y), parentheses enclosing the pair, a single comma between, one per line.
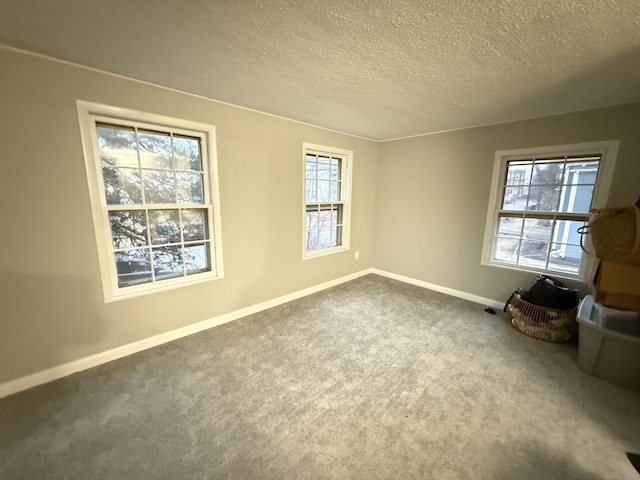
(507,197)
(566,253)
(117,145)
(323,179)
(533,250)
(506,249)
(312,195)
(324,193)
(194,225)
(324,237)
(159,186)
(338,238)
(133,267)
(576,198)
(324,171)
(510,226)
(312,217)
(196,258)
(334,193)
(164,226)
(565,258)
(519,173)
(326,215)
(312,239)
(566,231)
(167,262)
(189,187)
(548,172)
(324,227)
(186,151)
(311,167)
(335,170)
(538,229)
(515,198)
(155,149)
(121,186)
(535,243)
(582,172)
(336,217)
(128,228)
(544,198)
(533,254)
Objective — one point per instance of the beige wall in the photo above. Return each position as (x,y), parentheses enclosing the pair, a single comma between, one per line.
(433,193)
(427,196)
(52,305)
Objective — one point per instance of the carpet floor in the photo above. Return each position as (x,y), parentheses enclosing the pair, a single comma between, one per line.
(372,379)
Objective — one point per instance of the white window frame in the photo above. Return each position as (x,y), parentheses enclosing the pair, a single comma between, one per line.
(607,149)
(346,157)
(89,114)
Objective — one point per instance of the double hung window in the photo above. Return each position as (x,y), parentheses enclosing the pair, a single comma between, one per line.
(327,206)
(151,181)
(540,197)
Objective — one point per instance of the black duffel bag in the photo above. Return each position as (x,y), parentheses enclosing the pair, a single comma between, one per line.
(548,292)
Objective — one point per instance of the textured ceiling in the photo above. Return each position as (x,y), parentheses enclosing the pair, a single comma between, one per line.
(375,68)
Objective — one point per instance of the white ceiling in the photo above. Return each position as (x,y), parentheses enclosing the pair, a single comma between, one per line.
(380,69)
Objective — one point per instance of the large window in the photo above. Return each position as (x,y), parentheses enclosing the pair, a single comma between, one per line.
(151,181)
(540,197)
(327,207)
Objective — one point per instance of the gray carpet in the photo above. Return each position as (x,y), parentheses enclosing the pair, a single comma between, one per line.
(373,379)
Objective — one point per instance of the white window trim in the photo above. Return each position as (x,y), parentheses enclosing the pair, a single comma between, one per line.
(609,151)
(345,195)
(88,113)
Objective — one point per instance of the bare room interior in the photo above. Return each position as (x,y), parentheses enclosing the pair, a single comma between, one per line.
(340,327)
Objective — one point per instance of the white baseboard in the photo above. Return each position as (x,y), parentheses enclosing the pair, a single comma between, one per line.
(60,371)
(438,288)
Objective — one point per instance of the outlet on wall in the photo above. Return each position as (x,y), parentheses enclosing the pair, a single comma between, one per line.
(357,254)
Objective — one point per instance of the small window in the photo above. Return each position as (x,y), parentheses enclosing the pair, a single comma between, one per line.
(540,197)
(151,180)
(327,205)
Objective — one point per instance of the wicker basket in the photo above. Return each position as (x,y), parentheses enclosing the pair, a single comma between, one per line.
(539,322)
(613,234)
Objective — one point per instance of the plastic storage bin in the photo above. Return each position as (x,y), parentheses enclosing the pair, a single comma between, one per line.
(623,321)
(609,344)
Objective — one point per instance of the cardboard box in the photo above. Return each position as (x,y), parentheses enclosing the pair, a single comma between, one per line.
(617,285)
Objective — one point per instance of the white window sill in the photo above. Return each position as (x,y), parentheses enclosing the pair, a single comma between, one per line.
(322,253)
